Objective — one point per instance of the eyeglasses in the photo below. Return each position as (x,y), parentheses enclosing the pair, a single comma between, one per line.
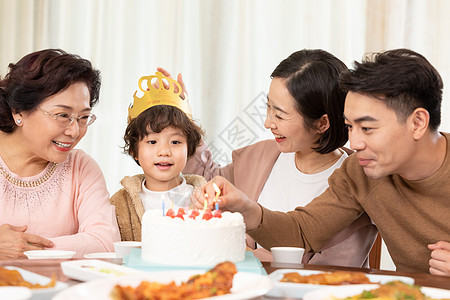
(66,119)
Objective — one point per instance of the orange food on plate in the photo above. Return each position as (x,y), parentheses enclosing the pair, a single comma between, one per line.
(333,278)
(215,282)
(13,278)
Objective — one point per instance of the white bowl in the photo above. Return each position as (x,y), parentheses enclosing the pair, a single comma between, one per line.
(49,254)
(287,254)
(124,248)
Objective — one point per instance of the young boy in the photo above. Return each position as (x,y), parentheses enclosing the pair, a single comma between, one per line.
(160,136)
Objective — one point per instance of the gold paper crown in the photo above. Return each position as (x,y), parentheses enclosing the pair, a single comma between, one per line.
(157,96)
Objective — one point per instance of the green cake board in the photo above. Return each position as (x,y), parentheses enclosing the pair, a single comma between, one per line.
(250,264)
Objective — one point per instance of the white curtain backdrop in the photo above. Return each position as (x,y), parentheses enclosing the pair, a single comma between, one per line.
(226,50)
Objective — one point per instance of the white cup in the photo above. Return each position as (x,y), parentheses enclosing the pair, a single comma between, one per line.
(124,248)
(287,254)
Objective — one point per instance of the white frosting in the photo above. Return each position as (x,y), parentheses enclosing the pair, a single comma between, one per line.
(190,241)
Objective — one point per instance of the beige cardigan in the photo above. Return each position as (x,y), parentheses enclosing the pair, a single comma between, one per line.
(129,207)
(249,172)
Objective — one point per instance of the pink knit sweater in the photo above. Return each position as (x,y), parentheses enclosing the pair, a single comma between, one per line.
(71,208)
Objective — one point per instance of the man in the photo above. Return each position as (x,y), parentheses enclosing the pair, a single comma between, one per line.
(399,174)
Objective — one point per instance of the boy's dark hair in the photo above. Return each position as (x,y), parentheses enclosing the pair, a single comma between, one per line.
(155,119)
(402,78)
(312,80)
(39,75)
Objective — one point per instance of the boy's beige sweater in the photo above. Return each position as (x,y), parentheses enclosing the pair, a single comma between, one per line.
(129,207)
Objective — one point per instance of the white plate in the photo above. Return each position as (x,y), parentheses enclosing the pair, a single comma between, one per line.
(15,292)
(101,255)
(297,290)
(348,291)
(49,254)
(90,269)
(39,294)
(245,285)
(436,293)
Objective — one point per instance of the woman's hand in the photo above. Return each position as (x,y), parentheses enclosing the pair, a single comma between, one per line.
(183,94)
(231,199)
(14,241)
(440,258)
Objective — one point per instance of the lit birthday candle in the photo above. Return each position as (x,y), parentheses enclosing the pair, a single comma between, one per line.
(216,197)
(205,205)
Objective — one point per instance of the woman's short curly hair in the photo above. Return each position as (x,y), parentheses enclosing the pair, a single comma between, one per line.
(40,75)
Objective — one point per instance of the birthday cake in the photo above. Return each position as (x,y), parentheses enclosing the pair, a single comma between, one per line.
(193,237)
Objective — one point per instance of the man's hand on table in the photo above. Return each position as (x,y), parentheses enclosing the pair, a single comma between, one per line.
(440,258)
(14,241)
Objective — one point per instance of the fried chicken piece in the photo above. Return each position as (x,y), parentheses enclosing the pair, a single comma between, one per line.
(13,278)
(334,278)
(217,281)
(9,277)
(219,278)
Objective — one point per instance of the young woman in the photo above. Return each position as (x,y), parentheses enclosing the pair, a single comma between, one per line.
(305,114)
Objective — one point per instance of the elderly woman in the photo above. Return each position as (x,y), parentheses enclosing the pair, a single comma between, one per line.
(51,195)
(305,114)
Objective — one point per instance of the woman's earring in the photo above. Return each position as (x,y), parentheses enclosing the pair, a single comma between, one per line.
(19,121)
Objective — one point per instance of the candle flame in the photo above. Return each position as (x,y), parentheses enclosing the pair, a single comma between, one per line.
(216,188)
